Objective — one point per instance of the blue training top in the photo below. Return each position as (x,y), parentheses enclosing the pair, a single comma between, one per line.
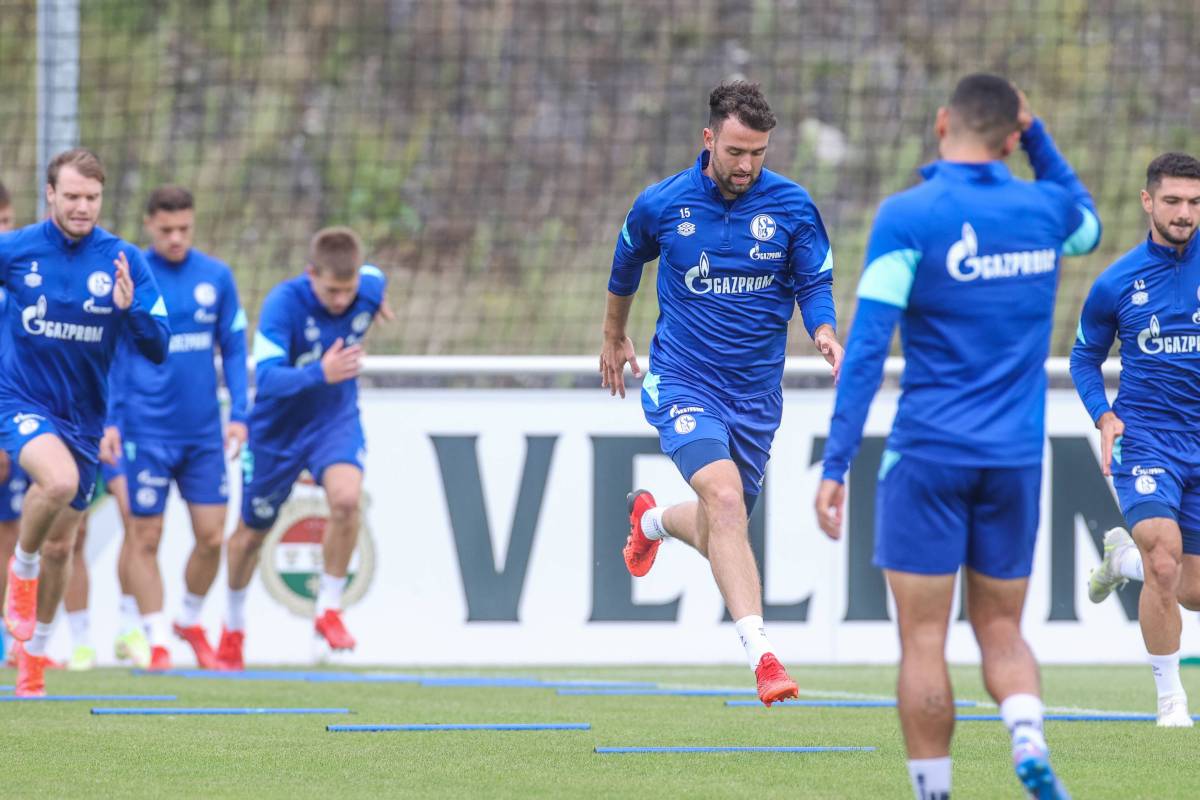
(177,402)
(293,405)
(968,263)
(64,328)
(729,275)
(1150,299)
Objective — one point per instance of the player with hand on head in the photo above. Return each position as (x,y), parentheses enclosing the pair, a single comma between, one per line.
(307,355)
(75,290)
(1149,299)
(168,419)
(967,263)
(738,248)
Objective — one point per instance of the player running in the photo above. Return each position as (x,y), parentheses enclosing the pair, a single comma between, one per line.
(169,420)
(1150,437)
(307,356)
(738,247)
(968,263)
(75,289)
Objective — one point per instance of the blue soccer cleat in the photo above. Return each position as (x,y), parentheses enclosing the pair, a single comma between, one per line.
(1032,764)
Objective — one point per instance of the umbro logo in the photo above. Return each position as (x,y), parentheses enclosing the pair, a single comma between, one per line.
(685,228)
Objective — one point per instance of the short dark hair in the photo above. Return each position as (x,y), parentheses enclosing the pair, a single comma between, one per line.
(743,100)
(336,250)
(5,197)
(1171,165)
(988,106)
(85,162)
(169,198)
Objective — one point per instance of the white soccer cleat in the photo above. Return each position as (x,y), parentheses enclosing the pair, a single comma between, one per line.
(1105,578)
(1173,711)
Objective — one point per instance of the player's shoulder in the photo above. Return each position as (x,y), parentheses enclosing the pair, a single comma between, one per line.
(786,193)
(1128,264)
(657,196)
(210,263)
(108,243)
(910,207)
(287,294)
(372,282)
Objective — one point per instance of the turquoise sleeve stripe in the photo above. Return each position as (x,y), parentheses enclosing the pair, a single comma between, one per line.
(159,309)
(828,263)
(625,232)
(1086,236)
(889,278)
(650,386)
(372,270)
(1079,334)
(239,321)
(265,349)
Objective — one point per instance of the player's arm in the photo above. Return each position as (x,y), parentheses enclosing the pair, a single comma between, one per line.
(811,261)
(274,374)
(231,336)
(883,291)
(1082,230)
(136,292)
(1093,340)
(636,244)
(114,418)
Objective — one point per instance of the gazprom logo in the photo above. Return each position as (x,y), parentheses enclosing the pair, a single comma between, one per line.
(33,318)
(757,253)
(698,281)
(1152,342)
(964,263)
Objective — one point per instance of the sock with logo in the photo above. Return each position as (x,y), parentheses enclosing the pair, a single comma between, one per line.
(1022,715)
(329,596)
(235,611)
(193,604)
(36,646)
(652,524)
(81,627)
(1166,674)
(1129,564)
(930,778)
(26,566)
(131,617)
(754,639)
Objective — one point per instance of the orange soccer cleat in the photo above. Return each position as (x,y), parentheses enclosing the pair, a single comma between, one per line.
(639,551)
(31,674)
(773,681)
(20,605)
(229,650)
(160,659)
(194,635)
(330,626)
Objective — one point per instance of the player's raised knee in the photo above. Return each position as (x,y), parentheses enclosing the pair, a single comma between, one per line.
(343,501)
(61,484)
(1162,567)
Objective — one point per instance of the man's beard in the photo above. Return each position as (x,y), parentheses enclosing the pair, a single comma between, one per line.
(1165,232)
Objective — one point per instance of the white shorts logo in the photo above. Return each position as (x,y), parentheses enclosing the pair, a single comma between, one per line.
(100,284)
(205,294)
(1145,484)
(762,227)
(147,497)
(685,423)
(28,426)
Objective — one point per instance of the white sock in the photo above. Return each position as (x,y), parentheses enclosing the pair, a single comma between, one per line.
(1129,564)
(930,778)
(1166,674)
(131,617)
(652,524)
(754,639)
(156,628)
(26,566)
(193,604)
(235,611)
(81,629)
(41,635)
(329,596)
(1022,715)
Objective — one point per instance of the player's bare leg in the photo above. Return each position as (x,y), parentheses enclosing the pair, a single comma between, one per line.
(8,543)
(1189,583)
(925,698)
(131,643)
(208,523)
(1161,544)
(75,603)
(343,490)
(145,534)
(241,557)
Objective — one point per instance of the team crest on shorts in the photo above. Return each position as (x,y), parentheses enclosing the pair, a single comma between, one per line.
(291,562)
(685,423)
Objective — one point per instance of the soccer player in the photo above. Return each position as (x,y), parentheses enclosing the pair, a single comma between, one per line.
(74,289)
(1150,437)
(307,356)
(738,246)
(968,263)
(169,419)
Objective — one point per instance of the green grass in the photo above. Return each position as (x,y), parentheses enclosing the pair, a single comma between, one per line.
(62,750)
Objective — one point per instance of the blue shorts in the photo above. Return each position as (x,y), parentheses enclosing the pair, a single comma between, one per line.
(268,476)
(932,518)
(741,430)
(197,469)
(22,422)
(12,493)
(1158,475)
(109,473)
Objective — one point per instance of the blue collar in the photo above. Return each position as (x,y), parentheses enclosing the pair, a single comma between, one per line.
(57,237)
(984,172)
(1168,252)
(710,186)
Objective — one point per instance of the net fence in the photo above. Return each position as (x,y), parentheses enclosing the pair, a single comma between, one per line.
(487,150)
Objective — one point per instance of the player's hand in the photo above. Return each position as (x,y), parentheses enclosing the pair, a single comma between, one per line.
(1111,427)
(1025,113)
(235,439)
(123,288)
(5,466)
(615,354)
(826,341)
(341,363)
(831,500)
(384,313)
(110,446)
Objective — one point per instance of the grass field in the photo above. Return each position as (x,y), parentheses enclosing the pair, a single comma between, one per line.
(59,749)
